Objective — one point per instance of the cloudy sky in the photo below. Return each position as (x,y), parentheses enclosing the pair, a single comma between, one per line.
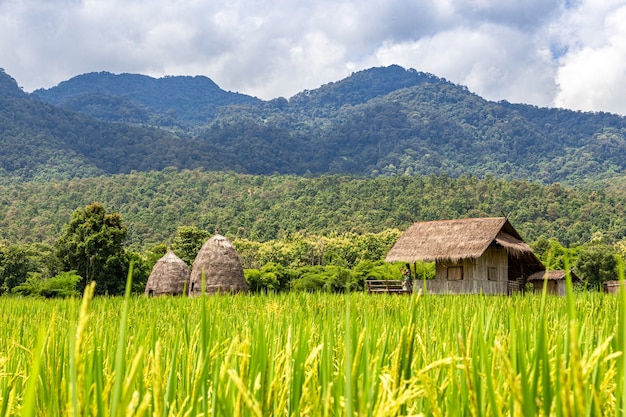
(563,53)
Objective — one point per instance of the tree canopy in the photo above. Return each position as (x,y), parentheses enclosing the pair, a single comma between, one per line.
(93,246)
(262,208)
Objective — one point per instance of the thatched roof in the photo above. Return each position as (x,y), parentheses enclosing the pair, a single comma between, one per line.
(170,276)
(454,240)
(555,275)
(220,263)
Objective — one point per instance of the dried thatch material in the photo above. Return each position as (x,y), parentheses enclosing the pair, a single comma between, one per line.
(515,247)
(454,240)
(554,275)
(170,276)
(220,263)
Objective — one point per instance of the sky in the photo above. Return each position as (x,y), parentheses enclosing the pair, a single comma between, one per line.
(554,53)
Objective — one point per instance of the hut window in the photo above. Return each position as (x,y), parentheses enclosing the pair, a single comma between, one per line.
(193,284)
(492,273)
(455,273)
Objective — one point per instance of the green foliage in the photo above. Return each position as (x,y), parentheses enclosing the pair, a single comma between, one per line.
(301,249)
(374,270)
(188,241)
(41,142)
(271,277)
(60,286)
(597,264)
(92,245)
(327,279)
(141,270)
(17,262)
(155,253)
(29,287)
(293,209)
(308,282)
(261,282)
(274,277)
(551,253)
(424,270)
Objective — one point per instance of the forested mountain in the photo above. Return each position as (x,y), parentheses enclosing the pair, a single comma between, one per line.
(388,121)
(260,208)
(132,98)
(39,141)
(8,86)
(377,122)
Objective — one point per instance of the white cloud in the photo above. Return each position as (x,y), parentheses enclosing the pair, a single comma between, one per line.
(501,49)
(493,61)
(592,74)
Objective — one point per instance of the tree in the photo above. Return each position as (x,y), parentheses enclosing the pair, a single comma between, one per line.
(188,241)
(93,247)
(18,261)
(141,270)
(15,264)
(597,264)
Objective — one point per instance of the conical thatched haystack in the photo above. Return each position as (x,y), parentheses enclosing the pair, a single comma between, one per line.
(170,276)
(222,268)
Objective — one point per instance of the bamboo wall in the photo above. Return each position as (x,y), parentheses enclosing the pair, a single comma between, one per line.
(475,275)
(463,287)
(611,287)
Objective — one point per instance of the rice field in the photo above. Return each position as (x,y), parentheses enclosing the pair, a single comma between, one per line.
(314,355)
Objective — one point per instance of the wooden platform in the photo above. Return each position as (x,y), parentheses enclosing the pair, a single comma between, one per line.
(385,286)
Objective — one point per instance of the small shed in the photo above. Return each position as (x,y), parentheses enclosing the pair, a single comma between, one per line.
(611,287)
(220,263)
(555,281)
(169,276)
(479,255)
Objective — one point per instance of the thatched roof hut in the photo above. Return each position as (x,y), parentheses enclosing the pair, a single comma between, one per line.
(170,276)
(220,263)
(454,240)
(554,275)
(555,281)
(471,255)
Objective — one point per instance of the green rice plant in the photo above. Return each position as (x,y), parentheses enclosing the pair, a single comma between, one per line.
(314,354)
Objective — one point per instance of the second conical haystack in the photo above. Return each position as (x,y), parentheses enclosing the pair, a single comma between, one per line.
(222,268)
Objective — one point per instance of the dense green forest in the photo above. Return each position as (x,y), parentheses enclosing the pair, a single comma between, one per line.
(261,208)
(325,233)
(133,98)
(377,122)
(41,142)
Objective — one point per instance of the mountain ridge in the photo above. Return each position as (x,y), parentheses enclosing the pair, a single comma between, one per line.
(377,122)
(9,86)
(191,98)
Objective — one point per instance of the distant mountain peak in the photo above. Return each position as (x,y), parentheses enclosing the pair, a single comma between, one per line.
(192,99)
(365,85)
(8,86)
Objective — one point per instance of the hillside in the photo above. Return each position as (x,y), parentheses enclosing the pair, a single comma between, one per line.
(39,141)
(154,204)
(377,122)
(133,98)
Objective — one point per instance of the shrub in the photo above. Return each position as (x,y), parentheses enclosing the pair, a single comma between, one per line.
(61,286)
